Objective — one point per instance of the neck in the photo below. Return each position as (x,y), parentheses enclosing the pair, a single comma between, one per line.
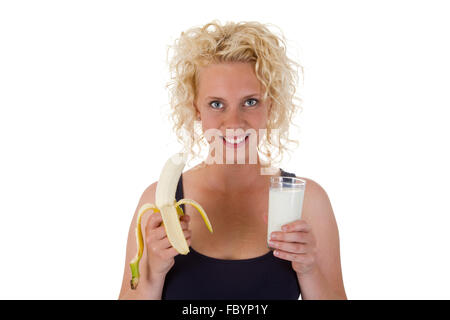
(236,178)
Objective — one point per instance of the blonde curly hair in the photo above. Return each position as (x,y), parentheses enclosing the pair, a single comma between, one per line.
(233,42)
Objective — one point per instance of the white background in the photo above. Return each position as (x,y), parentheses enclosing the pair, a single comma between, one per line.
(84,130)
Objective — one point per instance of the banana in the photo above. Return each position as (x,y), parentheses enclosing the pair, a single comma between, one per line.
(170,212)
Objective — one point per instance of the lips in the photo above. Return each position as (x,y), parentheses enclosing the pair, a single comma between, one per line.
(235,141)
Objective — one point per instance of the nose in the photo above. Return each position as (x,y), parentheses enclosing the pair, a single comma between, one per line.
(235,119)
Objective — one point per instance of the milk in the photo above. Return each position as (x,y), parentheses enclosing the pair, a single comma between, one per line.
(285,206)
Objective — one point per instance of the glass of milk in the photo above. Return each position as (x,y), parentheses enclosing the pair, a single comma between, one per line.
(285,202)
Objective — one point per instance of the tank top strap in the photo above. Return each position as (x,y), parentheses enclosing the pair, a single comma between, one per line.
(286,174)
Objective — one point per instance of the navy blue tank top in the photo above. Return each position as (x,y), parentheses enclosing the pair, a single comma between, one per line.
(200,277)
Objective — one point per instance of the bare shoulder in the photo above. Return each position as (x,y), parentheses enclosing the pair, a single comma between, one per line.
(313,187)
(316,203)
(149,193)
(147,196)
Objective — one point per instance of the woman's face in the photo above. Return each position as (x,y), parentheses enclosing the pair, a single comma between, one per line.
(229,96)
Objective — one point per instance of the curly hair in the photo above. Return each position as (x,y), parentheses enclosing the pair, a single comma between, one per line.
(233,42)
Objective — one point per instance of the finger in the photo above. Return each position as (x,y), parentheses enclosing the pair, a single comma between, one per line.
(154,221)
(300,237)
(291,247)
(185,217)
(151,227)
(160,233)
(302,258)
(297,225)
(169,253)
(164,243)
(184,221)
(187,233)
(184,225)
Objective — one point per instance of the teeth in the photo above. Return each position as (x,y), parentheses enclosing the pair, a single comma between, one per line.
(235,140)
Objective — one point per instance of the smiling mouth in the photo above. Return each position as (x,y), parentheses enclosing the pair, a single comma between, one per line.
(235,141)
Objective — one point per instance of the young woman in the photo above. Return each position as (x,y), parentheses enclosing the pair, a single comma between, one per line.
(227,77)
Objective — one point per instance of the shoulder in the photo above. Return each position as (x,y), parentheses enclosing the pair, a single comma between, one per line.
(318,213)
(316,203)
(148,195)
(314,189)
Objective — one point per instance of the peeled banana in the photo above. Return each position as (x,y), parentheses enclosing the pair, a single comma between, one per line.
(170,212)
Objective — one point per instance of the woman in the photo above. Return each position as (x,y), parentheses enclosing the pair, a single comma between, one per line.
(236,76)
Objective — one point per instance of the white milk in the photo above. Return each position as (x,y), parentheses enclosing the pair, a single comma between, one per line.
(285,205)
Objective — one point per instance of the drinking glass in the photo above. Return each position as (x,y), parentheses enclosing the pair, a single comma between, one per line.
(285,202)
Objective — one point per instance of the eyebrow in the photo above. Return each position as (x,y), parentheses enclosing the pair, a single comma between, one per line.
(219,98)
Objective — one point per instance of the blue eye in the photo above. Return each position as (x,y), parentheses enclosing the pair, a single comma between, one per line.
(255,100)
(214,102)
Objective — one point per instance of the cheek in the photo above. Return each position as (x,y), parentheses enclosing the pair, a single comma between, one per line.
(211,120)
(263,113)
(208,124)
(209,128)
(260,120)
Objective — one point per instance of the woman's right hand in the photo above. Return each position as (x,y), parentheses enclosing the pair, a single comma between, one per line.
(160,252)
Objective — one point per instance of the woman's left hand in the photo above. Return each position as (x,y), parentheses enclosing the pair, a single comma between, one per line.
(295,243)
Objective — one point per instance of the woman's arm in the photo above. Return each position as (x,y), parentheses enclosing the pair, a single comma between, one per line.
(150,287)
(312,245)
(324,281)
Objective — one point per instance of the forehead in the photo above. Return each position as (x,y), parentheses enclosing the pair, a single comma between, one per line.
(227,77)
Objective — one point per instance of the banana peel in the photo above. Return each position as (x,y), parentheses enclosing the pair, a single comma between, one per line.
(170,210)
